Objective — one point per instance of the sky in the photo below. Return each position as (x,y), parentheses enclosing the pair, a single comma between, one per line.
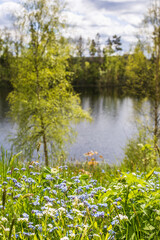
(86,18)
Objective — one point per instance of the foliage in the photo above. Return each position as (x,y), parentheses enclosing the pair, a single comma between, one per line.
(6,59)
(139,72)
(42,102)
(92,48)
(140,153)
(71,202)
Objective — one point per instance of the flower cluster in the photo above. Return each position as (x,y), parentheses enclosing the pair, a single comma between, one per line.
(56,205)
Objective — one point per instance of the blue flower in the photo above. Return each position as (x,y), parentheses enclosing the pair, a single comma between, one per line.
(16,169)
(114,222)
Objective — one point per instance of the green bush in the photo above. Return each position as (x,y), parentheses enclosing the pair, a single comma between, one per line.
(140,153)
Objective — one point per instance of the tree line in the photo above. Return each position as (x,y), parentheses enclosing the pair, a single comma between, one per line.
(92,66)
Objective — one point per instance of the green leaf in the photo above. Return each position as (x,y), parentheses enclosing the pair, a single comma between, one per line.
(95,225)
(133,237)
(84,177)
(148,227)
(14,157)
(150,174)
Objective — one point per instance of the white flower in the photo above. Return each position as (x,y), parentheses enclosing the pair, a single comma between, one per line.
(78,212)
(96,235)
(22,219)
(61,209)
(72,235)
(81,204)
(122,217)
(3,219)
(50,225)
(48,205)
(39,215)
(50,211)
(6,229)
(64,238)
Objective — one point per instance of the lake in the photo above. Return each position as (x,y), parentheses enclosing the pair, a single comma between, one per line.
(113,124)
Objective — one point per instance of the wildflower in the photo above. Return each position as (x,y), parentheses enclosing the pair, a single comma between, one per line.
(29,180)
(18,185)
(36,203)
(49,177)
(61,209)
(22,219)
(64,238)
(17,196)
(77,180)
(103,204)
(16,169)
(4,183)
(50,225)
(78,212)
(119,207)
(25,215)
(69,216)
(123,217)
(89,154)
(23,169)
(46,189)
(118,199)
(28,234)
(30,225)
(6,229)
(92,162)
(3,219)
(96,235)
(99,214)
(54,170)
(30,166)
(114,222)
(48,204)
(46,198)
(54,192)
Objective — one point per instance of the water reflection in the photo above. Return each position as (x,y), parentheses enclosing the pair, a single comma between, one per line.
(113,124)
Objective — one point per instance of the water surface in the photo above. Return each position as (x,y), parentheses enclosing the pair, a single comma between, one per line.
(113,124)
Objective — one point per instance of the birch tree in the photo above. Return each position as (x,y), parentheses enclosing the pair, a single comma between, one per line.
(42,102)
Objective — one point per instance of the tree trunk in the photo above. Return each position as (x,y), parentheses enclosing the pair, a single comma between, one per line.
(45,150)
(44,144)
(156,113)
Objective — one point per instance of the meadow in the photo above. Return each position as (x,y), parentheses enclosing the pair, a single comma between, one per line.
(77,201)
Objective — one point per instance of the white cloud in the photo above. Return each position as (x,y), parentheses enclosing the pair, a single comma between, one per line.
(131,18)
(7,10)
(89,17)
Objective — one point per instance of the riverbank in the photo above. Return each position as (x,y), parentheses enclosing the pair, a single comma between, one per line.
(78,201)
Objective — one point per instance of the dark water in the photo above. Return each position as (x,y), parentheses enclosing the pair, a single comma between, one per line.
(113,124)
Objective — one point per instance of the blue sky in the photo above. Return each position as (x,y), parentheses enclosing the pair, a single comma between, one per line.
(89,17)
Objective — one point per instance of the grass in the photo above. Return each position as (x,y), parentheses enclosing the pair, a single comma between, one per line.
(77,201)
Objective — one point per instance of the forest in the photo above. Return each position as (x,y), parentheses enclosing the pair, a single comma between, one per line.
(107,67)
